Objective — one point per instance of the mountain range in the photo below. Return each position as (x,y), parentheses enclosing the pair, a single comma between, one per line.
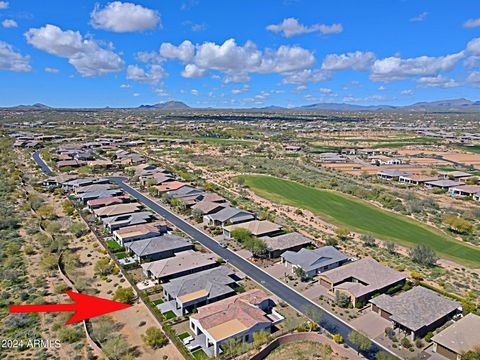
(451,105)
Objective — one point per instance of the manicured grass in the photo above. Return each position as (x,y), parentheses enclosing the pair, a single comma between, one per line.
(121,255)
(183,335)
(219,141)
(474,149)
(360,216)
(169,315)
(156,302)
(113,245)
(200,354)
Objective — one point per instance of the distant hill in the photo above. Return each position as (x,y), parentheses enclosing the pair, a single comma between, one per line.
(36,106)
(453,105)
(169,105)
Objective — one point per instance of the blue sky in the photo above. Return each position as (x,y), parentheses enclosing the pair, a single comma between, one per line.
(238,53)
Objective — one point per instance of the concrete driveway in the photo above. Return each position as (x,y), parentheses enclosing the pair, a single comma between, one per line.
(371,324)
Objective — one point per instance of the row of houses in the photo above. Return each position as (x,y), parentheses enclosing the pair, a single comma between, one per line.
(452,182)
(194,282)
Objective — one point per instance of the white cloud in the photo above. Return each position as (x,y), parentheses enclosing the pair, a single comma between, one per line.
(381,88)
(3,5)
(136,94)
(11,60)
(83,53)
(396,68)
(364,99)
(438,81)
(183,52)
(153,75)
(326,91)
(301,88)
(161,92)
(51,70)
(124,86)
(195,92)
(407,92)
(124,17)
(237,61)
(307,75)
(471,23)
(474,78)
(473,46)
(419,17)
(290,27)
(358,60)
(9,23)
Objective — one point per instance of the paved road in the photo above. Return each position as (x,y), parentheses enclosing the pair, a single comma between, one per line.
(329,322)
(41,164)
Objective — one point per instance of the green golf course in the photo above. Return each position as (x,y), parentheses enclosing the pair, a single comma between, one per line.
(360,216)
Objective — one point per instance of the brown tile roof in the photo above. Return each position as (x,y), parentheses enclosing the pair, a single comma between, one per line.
(462,336)
(173,185)
(118,209)
(110,200)
(207,206)
(142,229)
(256,227)
(240,311)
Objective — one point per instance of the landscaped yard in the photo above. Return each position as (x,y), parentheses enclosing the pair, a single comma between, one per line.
(360,216)
(113,245)
(156,302)
(169,315)
(183,335)
(200,354)
(121,255)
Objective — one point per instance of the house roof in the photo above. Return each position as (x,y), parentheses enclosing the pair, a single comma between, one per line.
(137,230)
(462,336)
(370,276)
(256,227)
(117,209)
(213,282)
(420,178)
(93,187)
(230,212)
(207,206)
(185,191)
(128,219)
(105,201)
(157,244)
(444,183)
(98,194)
(233,315)
(182,261)
(214,197)
(172,185)
(286,241)
(310,260)
(393,173)
(456,174)
(469,189)
(416,308)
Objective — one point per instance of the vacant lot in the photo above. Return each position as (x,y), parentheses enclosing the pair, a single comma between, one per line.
(361,216)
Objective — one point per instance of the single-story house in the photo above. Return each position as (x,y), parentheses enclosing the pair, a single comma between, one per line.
(417,311)
(138,232)
(236,317)
(361,279)
(116,222)
(256,228)
(457,175)
(214,197)
(91,195)
(314,262)
(228,215)
(183,263)
(208,207)
(205,287)
(277,245)
(464,190)
(442,184)
(106,201)
(170,186)
(117,209)
(156,178)
(158,247)
(391,174)
(459,338)
(184,191)
(93,188)
(416,179)
(79,182)
(476,196)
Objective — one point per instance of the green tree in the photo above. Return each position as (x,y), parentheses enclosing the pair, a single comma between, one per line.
(259,338)
(361,341)
(423,255)
(104,266)
(390,247)
(342,233)
(197,215)
(368,240)
(68,208)
(382,355)
(115,347)
(125,295)
(457,224)
(342,299)
(155,338)
(299,272)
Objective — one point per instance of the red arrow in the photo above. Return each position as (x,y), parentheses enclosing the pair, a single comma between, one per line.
(85,307)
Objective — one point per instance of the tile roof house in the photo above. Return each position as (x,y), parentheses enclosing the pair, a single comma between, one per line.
(314,262)
(459,338)
(106,201)
(277,245)
(236,317)
(183,263)
(228,214)
(205,287)
(93,188)
(91,195)
(416,179)
(417,311)
(361,279)
(208,207)
(137,232)
(158,247)
(118,209)
(169,186)
(256,227)
(116,222)
(464,190)
(391,174)
(442,184)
